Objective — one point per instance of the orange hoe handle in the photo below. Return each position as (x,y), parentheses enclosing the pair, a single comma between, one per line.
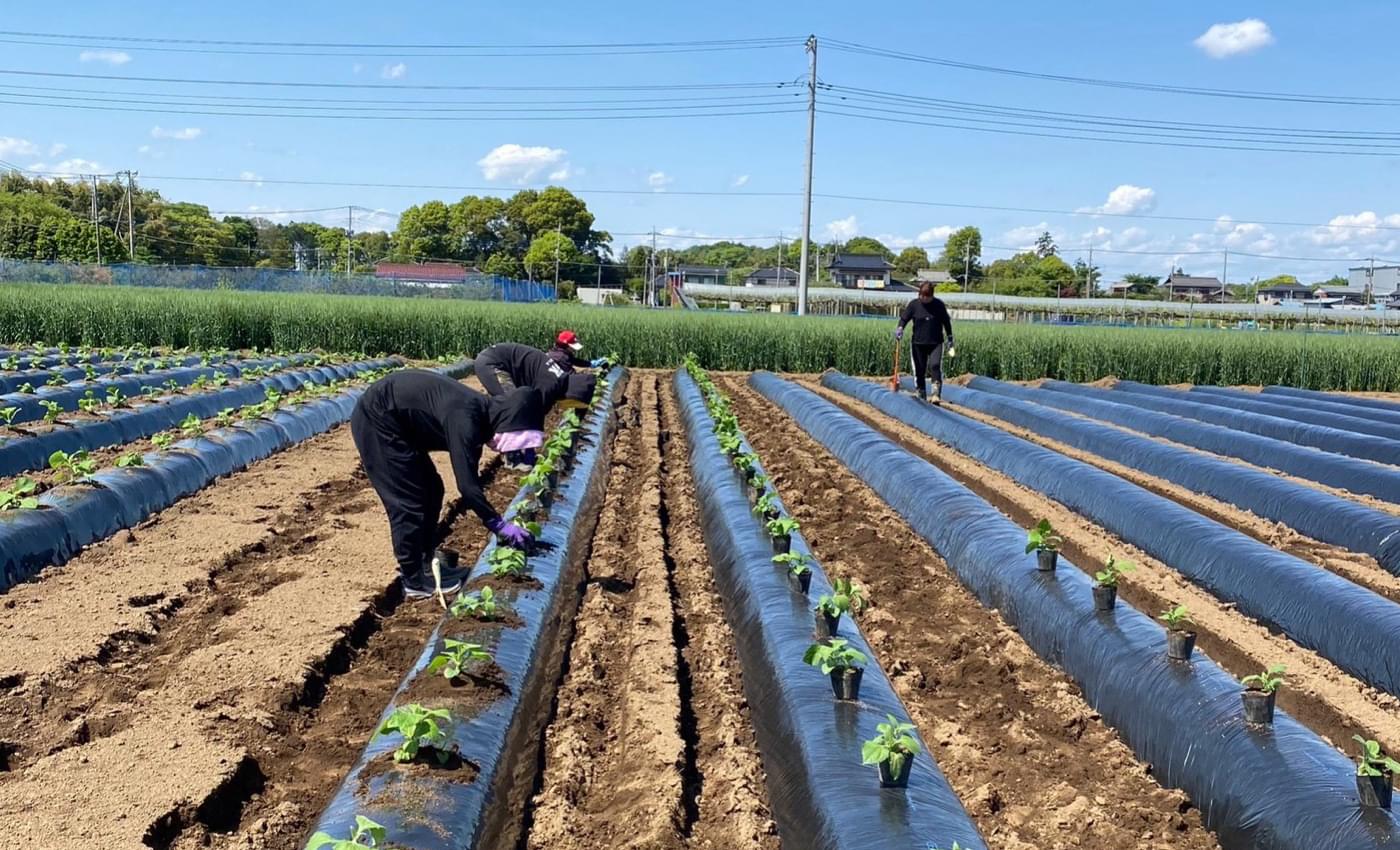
(894,381)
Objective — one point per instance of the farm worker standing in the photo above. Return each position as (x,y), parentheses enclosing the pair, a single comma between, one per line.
(507,365)
(565,353)
(404,416)
(932,326)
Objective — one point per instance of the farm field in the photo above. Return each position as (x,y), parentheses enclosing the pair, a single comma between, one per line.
(208,668)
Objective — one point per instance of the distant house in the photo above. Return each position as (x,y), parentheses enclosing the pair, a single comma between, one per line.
(860,271)
(684,276)
(772,276)
(1187,287)
(1284,293)
(1382,279)
(423,274)
(1349,294)
(932,276)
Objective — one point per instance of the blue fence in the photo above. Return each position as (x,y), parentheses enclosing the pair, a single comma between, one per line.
(476,287)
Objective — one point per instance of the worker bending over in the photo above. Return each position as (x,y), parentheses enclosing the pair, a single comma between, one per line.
(565,353)
(508,365)
(404,416)
(932,326)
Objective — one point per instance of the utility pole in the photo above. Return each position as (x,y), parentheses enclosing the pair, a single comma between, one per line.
(1089,288)
(96,236)
(967,264)
(598,288)
(807,192)
(801,290)
(651,278)
(130,216)
(1224,275)
(1370,281)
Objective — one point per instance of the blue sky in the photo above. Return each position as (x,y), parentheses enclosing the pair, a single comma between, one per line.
(1341,48)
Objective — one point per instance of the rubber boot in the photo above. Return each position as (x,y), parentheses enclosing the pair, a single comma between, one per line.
(937,393)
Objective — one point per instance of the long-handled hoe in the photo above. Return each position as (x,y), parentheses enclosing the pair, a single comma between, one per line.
(894,381)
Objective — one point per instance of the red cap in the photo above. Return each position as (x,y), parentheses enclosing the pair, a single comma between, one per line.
(570,339)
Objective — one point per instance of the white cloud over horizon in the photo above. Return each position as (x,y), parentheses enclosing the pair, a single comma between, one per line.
(1222,41)
(519,164)
(181,134)
(935,235)
(659,180)
(108,57)
(1126,199)
(75,167)
(12,146)
(842,230)
(250,177)
(396,71)
(740,181)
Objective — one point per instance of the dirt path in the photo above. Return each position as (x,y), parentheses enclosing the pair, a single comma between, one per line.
(647,749)
(1030,759)
(1319,694)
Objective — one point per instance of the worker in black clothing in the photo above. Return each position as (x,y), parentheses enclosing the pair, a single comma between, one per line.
(932,326)
(565,353)
(507,365)
(404,416)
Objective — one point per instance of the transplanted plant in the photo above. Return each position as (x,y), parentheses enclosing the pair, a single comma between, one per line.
(835,654)
(455,656)
(1041,537)
(1268,681)
(506,561)
(162,441)
(730,444)
(783,526)
(116,398)
(224,418)
(191,426)
(55,381)
(480,604)
(745,462)
(89,403)
(1372,760)
(72,467)
(797,563)
(368,835)
(766,503)
(420,727)
(26,388)
(845,598)
(1112,572)
(1177,618)
(8,415)
(129,460)
(19,495)
(892,745)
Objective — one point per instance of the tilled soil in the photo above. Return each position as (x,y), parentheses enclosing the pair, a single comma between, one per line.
(1033,763)
(1318,693)
(649,746)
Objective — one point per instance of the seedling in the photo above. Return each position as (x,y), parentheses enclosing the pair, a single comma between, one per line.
(891,750)
(759,482)
(766,503)
(420,727)
(1112,572)
(506,561)
(797,563)
(26,388)
(8,414)
(51,410)
(116,398)
(1268,681)
(455,656)
(730,444)
(1177,618)
(199,383)
(11,363)
(1042,538)
(1373,761)
(19,495)
(190,426)
(172,385)
(162,441)
(845,598)
(130,459)
(368,835)
(72,467)
(88,403)
(745,462)
(783,526)
(480,604)
(224,418)
(89,372)
(55,381)
(835,654)
(527,509)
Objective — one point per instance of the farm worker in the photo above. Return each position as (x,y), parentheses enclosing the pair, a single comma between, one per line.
(507,365)
(565,353)
(409,413)
(932,326)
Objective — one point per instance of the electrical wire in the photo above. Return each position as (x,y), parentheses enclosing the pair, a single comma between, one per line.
(206,42)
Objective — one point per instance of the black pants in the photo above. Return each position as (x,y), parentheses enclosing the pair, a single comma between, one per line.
(407,483)
(928,363)
(494,381)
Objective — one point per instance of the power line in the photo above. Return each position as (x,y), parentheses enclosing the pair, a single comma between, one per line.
(385,45)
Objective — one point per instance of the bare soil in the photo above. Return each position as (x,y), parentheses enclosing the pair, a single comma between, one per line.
(649,746)
(1010,732)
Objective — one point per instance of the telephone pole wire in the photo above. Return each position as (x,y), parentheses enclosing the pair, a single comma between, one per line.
(807,199)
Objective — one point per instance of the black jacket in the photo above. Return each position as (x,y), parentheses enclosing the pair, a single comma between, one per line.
(527,367)
(566,359)
(432,412)
(931,321)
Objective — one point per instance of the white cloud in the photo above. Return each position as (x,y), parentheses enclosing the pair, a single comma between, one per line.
(181,134)
(894,241)
(1352,229)
(357,67)
(1126,199)
(520,164)
(11,146)
(110,57)
(1023,238)
(1224,40)
(250,177)
(935,234)
(740,181)
(394,72)
(659,180)
(57,148)
(75,167)
(843,229)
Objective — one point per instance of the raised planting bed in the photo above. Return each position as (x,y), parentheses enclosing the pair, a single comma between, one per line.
(70,517)
(822,795)
(1321,437)
(1337,398)
(476,796)
(1278,787)
(1288,405)
(39,374)
(1315,513)
(1253,403)
(1333,470)
(118,426)
(1355,628)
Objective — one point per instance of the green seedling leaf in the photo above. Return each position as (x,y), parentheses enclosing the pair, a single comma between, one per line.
(1373,761)
(1268,681)
(845,598)
(116,398)
(8,415)
(129,460)
(506,561)
(191,426)
(783,526)
(51,410)
(1177,618)
(26,388)
(55,381)
(20,495)
(797,563)
(368,835)
(891,745)
(455,656)
(1043,538)
(1112,572)
(420,727)
(835,654)
(480,604)
(162,441)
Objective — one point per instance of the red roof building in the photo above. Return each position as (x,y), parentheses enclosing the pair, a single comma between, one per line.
(429,274)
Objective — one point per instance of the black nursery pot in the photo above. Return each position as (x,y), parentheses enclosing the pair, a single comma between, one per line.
(1105,597)
(802,581)
(845,683)
(1375,791)
(1258,707)
(896,780)
(782,543)
(827,625)
(1046,559)
(1179,645)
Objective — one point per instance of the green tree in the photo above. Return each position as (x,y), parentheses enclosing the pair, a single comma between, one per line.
(1141,284)
(1045,245)
(962,244)
(425,233)
(866,245)
(909,261)
(546,250)
(504,264)
(1086,280)
(476,223)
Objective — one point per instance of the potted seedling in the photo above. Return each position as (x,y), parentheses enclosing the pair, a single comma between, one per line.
(845,598)
(799,569)
(1259,693)
(747,464)
(1180,640)
(844,665)
(1106,583)
(781,529)
(528,509)
(892,750)
(421,728)
(506,562)
(480,604)
(367,835)
(20,495)
(1375,774)
(765,506)
(730,444)
(455,656)
(1045,543)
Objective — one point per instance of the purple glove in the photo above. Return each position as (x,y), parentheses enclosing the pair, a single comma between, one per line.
(899,332)
(510,534)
